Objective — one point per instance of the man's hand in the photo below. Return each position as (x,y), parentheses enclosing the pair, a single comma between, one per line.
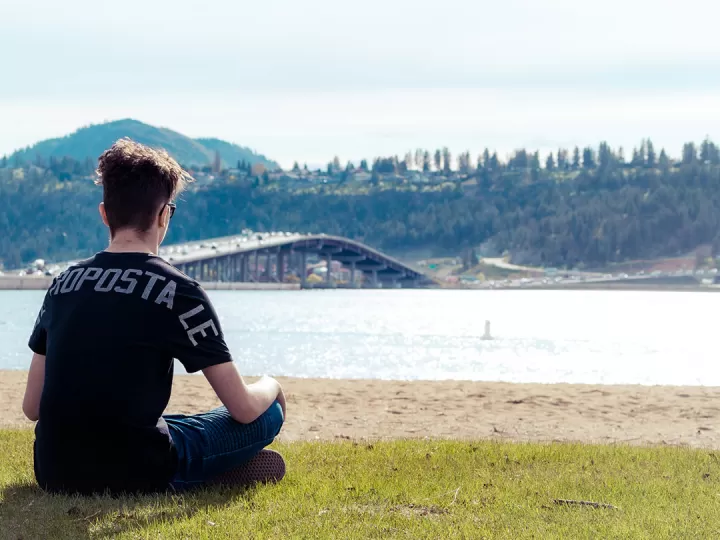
(265,379)
(246,402)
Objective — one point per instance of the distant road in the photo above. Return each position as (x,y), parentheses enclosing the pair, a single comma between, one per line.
(502,263)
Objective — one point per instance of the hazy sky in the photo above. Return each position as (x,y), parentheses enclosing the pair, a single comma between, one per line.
(312,79)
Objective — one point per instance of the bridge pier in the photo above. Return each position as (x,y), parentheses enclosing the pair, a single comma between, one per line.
(328,275)
(281,266)
(243,268)
(303,269)
(284,255)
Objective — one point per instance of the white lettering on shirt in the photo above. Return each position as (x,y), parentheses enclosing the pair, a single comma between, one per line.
(153,279)
(71,280)
(189,314)
(131,282)
(102,286)
(167,295)
(200,329)
(87,277)
(56,283)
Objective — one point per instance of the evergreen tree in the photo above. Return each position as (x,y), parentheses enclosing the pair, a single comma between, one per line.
(588,158)
(336,167)
(605,156)
(408,161)
(535,161)
(576,158)
(621,156)
(426,161)
(419,162)
(296,167)
(562,159)
(438,160)
(217,163)
(364,165)
(519,160)
(550,162)
(446,160)
(89,167)
(486,158)
(663,161)
(642,161)
(709,153)
(651,158)
(689,154)
(464,166)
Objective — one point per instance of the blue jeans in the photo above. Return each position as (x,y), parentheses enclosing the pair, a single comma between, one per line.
(211,443)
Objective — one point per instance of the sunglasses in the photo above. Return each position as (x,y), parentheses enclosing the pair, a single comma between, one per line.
(172,207)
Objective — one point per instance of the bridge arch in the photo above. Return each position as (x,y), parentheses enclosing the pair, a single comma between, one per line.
(272,256)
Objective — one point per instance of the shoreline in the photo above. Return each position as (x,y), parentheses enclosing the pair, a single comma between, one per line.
(337,409)
(11,283)
(42,283)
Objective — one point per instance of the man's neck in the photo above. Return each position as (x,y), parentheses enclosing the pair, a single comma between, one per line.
(131,242)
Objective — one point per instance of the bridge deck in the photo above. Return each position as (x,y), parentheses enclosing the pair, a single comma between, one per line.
(231,258)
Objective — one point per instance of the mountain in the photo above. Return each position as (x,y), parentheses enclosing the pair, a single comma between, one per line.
(232,153)
(91,141)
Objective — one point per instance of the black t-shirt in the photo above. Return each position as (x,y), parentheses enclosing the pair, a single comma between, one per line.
(110,328)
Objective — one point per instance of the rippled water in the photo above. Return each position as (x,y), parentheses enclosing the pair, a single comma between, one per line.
(540,336)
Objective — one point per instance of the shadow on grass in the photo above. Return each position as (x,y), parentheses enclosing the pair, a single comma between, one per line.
(27,512)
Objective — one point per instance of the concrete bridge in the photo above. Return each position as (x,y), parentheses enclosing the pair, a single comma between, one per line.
(275,257)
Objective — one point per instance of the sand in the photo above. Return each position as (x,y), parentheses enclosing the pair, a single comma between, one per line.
(326,409)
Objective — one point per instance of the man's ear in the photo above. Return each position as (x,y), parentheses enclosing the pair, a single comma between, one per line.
(103,214)
(164,217)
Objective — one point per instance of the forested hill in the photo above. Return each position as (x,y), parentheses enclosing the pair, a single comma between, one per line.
(568,213)
(89,142)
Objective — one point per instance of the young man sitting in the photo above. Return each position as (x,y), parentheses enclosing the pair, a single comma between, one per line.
(104,344)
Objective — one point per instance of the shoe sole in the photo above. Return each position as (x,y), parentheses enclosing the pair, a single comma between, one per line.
(266,467)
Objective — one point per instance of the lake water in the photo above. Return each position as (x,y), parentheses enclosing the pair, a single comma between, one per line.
(608,337)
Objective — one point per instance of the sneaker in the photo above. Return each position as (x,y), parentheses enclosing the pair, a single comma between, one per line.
(266,467)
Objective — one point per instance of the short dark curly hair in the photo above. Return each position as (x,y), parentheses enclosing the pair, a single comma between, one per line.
(138,181)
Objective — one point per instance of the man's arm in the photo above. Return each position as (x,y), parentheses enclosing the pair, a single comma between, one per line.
(34,388)
(245,402)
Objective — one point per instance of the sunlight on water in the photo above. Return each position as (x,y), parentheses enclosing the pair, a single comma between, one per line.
(539,336)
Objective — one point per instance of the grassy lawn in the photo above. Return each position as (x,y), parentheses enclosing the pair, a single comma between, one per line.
(403,489)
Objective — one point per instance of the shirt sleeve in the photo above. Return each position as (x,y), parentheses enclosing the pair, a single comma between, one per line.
(38,337)
(197,339)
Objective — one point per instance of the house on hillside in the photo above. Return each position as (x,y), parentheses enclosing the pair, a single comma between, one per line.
(360,175)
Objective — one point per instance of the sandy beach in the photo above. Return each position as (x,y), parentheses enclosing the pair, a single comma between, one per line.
(370,409)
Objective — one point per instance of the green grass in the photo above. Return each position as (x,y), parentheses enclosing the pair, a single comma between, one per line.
(402,489)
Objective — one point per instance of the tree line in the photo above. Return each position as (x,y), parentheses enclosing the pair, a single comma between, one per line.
(441,160)
(588,208)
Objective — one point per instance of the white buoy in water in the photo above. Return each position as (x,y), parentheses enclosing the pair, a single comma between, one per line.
(487,335)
